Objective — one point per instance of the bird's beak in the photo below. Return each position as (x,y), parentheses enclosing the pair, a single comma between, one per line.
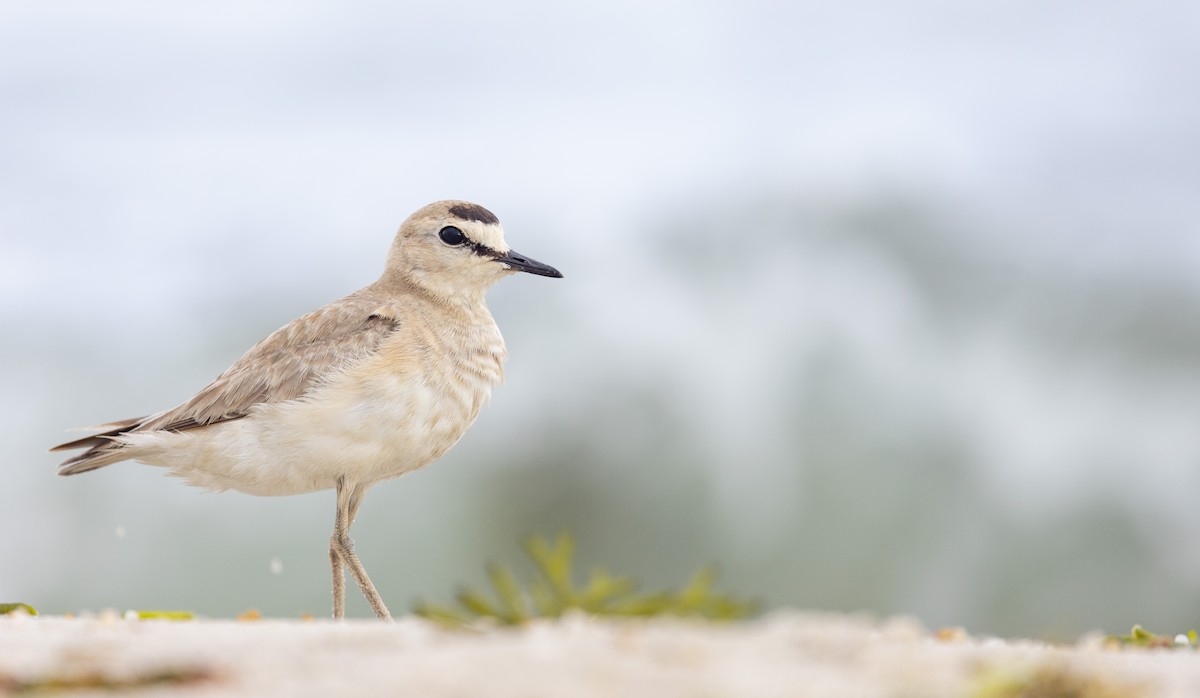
(520,262)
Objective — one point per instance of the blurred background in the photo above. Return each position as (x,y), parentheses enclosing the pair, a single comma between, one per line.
(885,307)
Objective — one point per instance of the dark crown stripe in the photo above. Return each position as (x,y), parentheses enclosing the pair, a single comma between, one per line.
(473,212)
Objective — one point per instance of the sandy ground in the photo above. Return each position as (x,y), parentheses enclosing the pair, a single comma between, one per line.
(784,654)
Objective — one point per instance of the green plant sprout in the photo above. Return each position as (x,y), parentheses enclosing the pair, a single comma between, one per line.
(551,592)
(1053,679)
(1140,637)
(6,608)
(165,615)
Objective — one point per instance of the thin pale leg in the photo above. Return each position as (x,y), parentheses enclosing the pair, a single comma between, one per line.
(339,579)
(350,558)
(342,555)
(335,558)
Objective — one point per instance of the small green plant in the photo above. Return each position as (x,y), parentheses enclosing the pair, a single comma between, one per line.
(551,592)
(1140,637)
(165,615)
(102,680)
(10,607)
(1049,680)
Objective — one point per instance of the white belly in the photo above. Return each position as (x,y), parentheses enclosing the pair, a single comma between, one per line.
(359,425)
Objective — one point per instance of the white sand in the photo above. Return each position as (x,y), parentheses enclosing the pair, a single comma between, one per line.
(785,654)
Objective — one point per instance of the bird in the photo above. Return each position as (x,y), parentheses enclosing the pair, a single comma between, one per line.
(367,388)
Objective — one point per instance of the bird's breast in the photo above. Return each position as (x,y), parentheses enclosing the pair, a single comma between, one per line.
(458,365)
(417,397)
(394,411)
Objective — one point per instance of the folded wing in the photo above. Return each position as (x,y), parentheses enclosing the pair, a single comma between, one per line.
(284,366)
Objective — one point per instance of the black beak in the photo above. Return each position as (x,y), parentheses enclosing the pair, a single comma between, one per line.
(520,262)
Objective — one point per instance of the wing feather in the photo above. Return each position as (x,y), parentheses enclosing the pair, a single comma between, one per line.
(284,366)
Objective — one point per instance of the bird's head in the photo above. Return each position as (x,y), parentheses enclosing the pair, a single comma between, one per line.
(456,249)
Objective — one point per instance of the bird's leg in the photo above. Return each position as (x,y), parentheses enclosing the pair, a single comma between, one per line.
(341,553)
(339,578)
(335,555)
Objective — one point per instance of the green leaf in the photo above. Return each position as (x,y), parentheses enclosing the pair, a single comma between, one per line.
(696,593)
(602,588)
(166,615)
(554,564)
(546,602)
(10,607)
(441,614)
(475,603)
(509,593)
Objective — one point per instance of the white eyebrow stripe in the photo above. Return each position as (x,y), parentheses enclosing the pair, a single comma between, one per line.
(489,236)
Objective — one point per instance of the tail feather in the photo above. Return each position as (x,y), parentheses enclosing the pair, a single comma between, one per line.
(104,437)
(102,448)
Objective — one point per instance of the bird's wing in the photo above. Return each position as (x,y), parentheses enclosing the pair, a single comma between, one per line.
(284,365)
(281,367)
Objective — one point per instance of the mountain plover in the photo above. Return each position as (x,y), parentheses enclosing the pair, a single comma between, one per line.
(367,388)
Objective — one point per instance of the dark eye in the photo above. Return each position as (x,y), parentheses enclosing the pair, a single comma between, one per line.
(452,236)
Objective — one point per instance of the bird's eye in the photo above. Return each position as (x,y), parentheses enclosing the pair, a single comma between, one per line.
(452,236)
